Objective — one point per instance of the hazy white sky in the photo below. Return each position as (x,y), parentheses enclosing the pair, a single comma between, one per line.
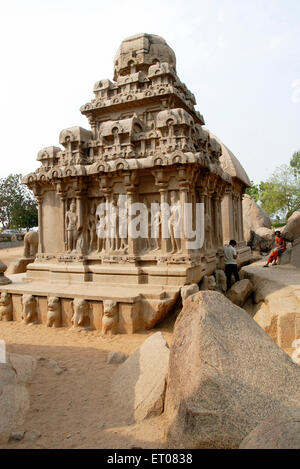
(241,59)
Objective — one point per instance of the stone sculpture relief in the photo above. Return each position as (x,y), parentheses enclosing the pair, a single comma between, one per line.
(29,313)
(81,316)
(31,243)
(6,309)
(110,317)
(54,312)
(71,227)
(175,223)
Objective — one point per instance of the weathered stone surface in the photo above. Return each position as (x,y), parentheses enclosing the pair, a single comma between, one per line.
(262,240)
(280,431)
(116,358)
(276,302)
(19,266)
(138,385)
(240,292)
(254,217)
(189,290)
(32,435)
(14,401)
(295,255)
(24,366)
(225,375)
(208,283)
(31,242)
(221,283)
(291,231)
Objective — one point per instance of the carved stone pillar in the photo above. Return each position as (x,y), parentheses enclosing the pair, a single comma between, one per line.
(81,228)
(240,214)
(132,242)
(209,220)
(184,199)
(219,227)
(201,195)
(163,190)
(227,216)
(40,222)
(131,182)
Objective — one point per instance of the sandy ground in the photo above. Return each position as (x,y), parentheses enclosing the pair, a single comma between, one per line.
(10,251)
(74,409)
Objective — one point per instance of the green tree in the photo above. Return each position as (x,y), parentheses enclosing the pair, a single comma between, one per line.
(253,191)
(18,207)
(295,163)
(281,193)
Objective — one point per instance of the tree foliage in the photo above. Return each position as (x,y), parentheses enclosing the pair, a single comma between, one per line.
(18,207)
(280,194)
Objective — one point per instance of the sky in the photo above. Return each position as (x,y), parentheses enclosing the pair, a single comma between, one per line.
(240,58)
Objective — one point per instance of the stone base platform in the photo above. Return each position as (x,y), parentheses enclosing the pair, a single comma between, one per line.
(139,307)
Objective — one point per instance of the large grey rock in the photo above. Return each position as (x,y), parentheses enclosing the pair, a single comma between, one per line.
(24,366)
(226,375)
(240,292)
(291,231)
(114,358)
(280,431)
(262,239)
(14,401)
(221,281)
(254,217)
(208,283)
(188,290)
(295,255)
(138,385)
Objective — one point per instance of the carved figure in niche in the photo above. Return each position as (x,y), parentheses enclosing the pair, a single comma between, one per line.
(53,314)
(115,132)
(112,225)
(100,225)
(6,308)
(147,243)
(122,216)
(91,225)
(31,243)
(71,220)
(175,223)
(110,317)
(81,316)
(29,313)
(156,228)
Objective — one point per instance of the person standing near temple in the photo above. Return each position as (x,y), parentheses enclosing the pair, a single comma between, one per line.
(230,257)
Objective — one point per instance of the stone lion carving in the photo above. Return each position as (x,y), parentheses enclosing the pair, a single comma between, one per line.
(29,314)
(31,242)
(81,316)
(6,310)
(53,314)
(110,317)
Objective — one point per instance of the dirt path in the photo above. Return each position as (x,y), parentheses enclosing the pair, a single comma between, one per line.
(73,409)
(11,251)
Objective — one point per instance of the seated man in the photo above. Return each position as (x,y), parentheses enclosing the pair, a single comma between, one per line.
(280,248)
(231,267)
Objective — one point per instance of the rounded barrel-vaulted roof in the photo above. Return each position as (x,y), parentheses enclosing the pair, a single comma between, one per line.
(142,49)
(231,165)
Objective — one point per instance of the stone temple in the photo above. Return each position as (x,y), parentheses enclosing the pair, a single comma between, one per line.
(146,144)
